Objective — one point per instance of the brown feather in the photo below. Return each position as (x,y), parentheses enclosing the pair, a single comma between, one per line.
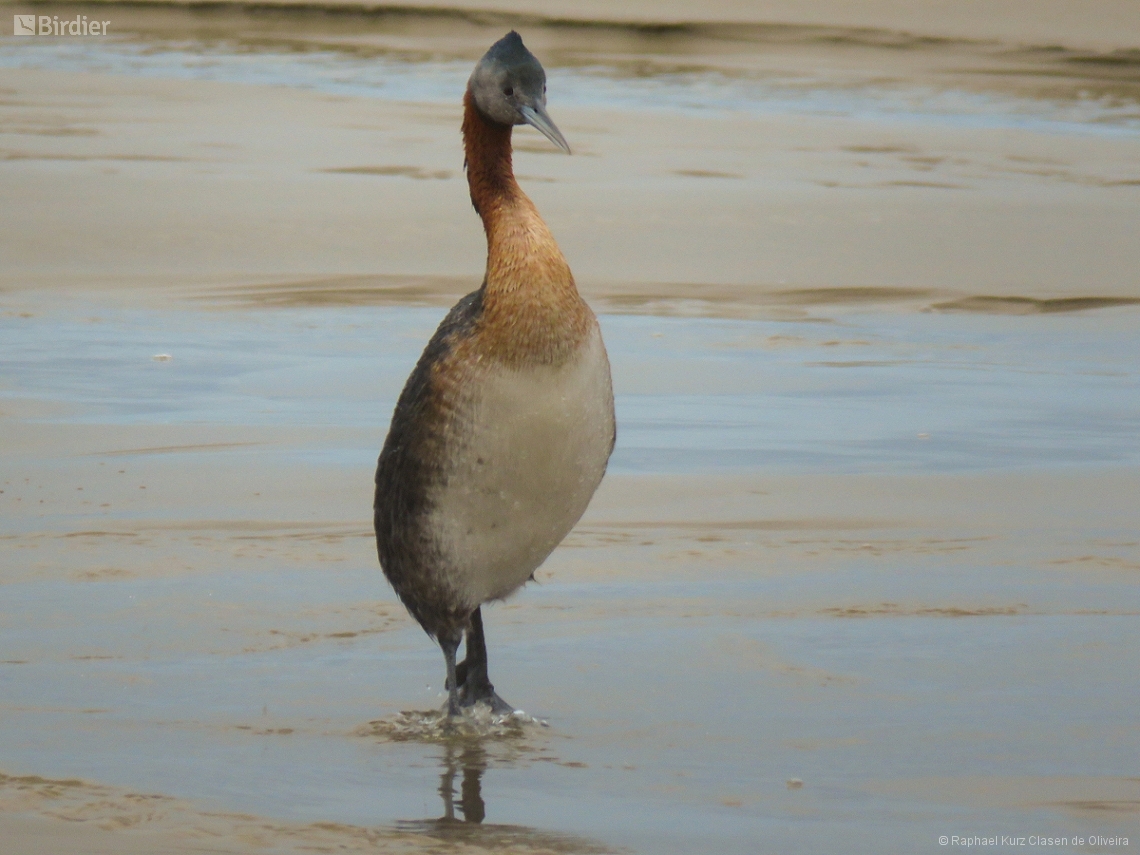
(532,311)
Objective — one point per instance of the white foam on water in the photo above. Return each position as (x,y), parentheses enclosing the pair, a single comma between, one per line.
(477,722)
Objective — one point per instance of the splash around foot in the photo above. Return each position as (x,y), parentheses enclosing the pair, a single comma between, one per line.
(475,722)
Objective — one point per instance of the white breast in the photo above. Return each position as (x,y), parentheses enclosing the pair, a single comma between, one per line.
(529,452)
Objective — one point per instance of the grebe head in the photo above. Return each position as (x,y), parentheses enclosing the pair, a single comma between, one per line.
(509,87)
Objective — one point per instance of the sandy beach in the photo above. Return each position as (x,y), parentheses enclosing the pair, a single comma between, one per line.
(864,573)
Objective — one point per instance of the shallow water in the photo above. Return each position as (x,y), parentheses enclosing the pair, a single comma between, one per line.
(862,573)
(884,392)
(229,638)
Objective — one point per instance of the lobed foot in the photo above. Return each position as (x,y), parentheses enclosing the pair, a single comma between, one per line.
(477,689)
(497,704)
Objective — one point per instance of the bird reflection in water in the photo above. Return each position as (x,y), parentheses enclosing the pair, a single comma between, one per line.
(472,758)
(464,761)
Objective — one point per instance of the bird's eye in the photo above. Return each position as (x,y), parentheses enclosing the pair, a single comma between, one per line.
(508,91)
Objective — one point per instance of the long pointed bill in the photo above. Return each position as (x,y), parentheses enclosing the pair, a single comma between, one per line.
(536,117)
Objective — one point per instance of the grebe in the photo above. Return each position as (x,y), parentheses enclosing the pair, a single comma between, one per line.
(505,426)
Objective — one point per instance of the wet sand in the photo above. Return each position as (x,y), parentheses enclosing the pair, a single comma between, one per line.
(863,573)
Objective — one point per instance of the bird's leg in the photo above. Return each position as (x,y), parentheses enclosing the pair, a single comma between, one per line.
(450,644)
(460,673)
(477,685)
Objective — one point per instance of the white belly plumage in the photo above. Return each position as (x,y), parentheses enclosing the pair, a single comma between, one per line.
(528,452)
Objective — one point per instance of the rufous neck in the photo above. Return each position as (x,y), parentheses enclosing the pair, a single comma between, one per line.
(521,252)
(531,310)
(490,174)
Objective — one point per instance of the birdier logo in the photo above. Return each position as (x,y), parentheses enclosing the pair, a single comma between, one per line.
(51,25)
